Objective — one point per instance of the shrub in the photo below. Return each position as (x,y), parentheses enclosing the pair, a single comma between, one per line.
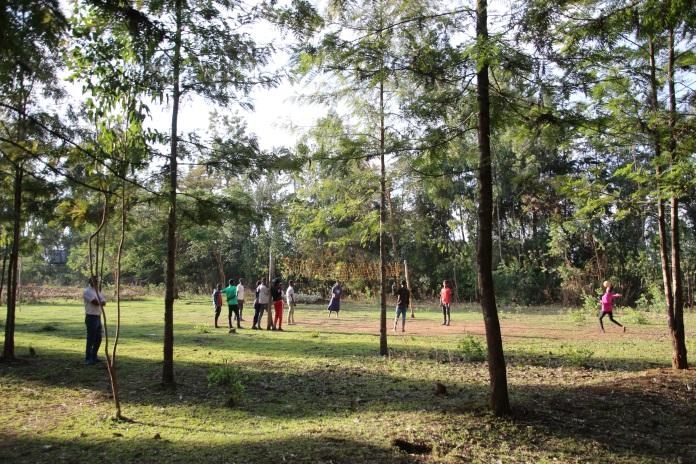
(652,300)
(471,349)
(578,315)
(230,378)
(201,328)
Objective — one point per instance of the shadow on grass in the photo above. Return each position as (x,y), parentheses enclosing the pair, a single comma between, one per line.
(651,418)
(334,449)
(303,344)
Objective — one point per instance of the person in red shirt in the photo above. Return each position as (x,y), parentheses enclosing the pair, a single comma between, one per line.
(445,301)
(608,306)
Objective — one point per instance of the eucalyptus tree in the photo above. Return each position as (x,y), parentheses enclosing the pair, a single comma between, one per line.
(358,48)
(626,56)
(31,34)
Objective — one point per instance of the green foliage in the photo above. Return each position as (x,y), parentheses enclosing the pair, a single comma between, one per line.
(230,378)
(471,349)
(633,316)
(578,356)
(201,328)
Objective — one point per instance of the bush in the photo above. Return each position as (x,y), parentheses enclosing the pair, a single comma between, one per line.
(201,328)
(471,349)
(578,315)
(652,300)
(230,378)
(307,298)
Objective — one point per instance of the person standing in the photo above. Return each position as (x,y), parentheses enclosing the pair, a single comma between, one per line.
(232,308)
(217,302)
(403,296)
(240,298)
(445,302)
(277,296)
(335,302)
(258,310)
(608,306)
(264,300)
(290,297)
(94,302)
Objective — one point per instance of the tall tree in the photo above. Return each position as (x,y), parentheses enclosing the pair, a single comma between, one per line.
(499,401)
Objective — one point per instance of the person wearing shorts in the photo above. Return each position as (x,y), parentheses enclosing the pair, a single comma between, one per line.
(403,297)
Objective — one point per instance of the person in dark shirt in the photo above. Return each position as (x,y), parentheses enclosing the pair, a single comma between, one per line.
(403,296)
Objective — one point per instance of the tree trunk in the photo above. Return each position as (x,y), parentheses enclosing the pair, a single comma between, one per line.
(383,349)
(221,267)
(499,401)
(676,319)
(168,364)
(2,274)
(8,349)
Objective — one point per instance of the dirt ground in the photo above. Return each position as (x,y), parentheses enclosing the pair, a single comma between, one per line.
(348,323)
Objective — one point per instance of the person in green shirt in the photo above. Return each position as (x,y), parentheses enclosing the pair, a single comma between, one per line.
(233,308)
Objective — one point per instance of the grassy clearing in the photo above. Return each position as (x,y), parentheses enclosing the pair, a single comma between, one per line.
(319,393)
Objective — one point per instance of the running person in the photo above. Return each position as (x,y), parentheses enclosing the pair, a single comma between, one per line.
(607,305)
(403,296)
(335,303)
(445,302)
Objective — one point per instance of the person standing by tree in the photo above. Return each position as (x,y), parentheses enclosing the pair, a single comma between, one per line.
(264,299)
(445,302)
(403,296)
(335,302)
(607,305)
(240,298)
(94,301)
(290,297)
(217,302)
(277,296)
(258,310)
(232,308)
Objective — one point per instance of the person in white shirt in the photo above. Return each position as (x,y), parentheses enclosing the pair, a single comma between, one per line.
(240,298)
(94,301)
(262,298)
(290,298)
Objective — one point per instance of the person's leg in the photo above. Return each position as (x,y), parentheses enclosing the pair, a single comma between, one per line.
(97,340)
(255,323)
(235,309)
(229,316)
(279,315)
(396,317)
(611,318)
(444,314)
(601,324)
(218,310)
(240,305)
(403,319)
(90,338)
(269,317)
(449,314)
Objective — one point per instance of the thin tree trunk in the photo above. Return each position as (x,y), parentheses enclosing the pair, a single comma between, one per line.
(392,226)
(2,274)
(168,364)
(676,321)
(221,268)
(499,401)
(664,258)
(383,348)
(8,349)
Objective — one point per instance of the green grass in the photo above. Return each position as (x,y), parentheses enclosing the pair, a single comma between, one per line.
(320,393)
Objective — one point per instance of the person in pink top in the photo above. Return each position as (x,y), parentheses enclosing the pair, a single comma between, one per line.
(607,305)
(445,302)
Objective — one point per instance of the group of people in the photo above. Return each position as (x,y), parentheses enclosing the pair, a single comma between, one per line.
(264,299)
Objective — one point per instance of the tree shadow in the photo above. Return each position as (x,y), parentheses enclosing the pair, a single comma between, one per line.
(123,449)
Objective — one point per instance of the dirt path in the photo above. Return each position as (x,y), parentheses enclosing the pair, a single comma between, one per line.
(512,329)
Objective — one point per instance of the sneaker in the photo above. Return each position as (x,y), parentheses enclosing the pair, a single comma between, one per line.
(448,323)
(281,329)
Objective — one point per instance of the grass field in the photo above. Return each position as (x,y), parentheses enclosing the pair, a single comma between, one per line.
(319,393)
